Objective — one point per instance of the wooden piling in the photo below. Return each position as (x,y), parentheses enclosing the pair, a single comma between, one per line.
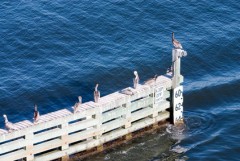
(100,148)
(128,137)
(177,93)
(29,146)
(65,158)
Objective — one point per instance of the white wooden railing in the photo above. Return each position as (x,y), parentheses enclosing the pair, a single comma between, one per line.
(62,133)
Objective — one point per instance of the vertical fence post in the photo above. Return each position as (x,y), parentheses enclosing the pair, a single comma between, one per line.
(177,94)
(29,146)
(98,117)
(127,117)
(154,107)
(64,138)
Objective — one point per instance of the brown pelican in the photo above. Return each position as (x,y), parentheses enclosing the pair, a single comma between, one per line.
(176,44)
(96,94)
(36,115)
(75,107)
(79,99)
(127,91)
(170,69)
(9,126)
(136,79)
(151,80)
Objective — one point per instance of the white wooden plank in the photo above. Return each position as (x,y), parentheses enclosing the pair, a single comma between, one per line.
(65,112)
(23,124)
(163,116)
(113,125)
(113,100)
(12,135)
(144,102)
(17,127)
(141,124)
(14,155)
(46,135)
(141,114)
(27,123)
(46,117)
(89,105)
(113,114)
(54,115)
(43,125)
(79,109)
(113,135)
(13,145)
(88,144)
(2,131)
(47,146)
(89,133)
(106,103)
(50,155)
(166,94)
(82,125)
(141,91)
(162,106)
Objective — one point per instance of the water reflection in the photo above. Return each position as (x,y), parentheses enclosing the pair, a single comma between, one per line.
(159,145)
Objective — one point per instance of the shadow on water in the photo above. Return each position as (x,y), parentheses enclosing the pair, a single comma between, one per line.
(53,51)
(162,145)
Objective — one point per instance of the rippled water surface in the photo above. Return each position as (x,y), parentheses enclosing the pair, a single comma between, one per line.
(53,51)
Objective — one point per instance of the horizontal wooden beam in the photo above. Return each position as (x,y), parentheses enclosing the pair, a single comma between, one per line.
(63,132)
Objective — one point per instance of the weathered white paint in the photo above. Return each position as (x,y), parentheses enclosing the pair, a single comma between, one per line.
(95,123)
(64,133)
(178,104)
(176,59)
(177,96)
(159,94)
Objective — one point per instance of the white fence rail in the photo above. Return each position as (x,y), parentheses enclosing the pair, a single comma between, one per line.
(63,133)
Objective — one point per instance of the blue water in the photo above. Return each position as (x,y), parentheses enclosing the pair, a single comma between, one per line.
(53,51)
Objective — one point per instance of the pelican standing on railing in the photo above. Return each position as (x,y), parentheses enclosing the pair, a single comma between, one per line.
(96,94)
(135,80)
(79,100)
(9,126)
(75,107)
(176,44)
(36,115)
(169,69)
(151,80)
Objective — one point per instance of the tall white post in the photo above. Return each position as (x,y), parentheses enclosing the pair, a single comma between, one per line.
(177,79)
(64,140)
(29,147)
(98,127)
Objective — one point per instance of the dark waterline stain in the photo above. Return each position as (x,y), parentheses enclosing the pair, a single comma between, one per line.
(52,52)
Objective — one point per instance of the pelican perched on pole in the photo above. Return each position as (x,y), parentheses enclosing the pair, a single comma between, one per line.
(36,114)
(96,94)
(136,79)
(176,44)
(9,126)
(75,107)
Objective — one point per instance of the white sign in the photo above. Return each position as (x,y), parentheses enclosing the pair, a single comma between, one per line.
(159,94)
(178,104)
